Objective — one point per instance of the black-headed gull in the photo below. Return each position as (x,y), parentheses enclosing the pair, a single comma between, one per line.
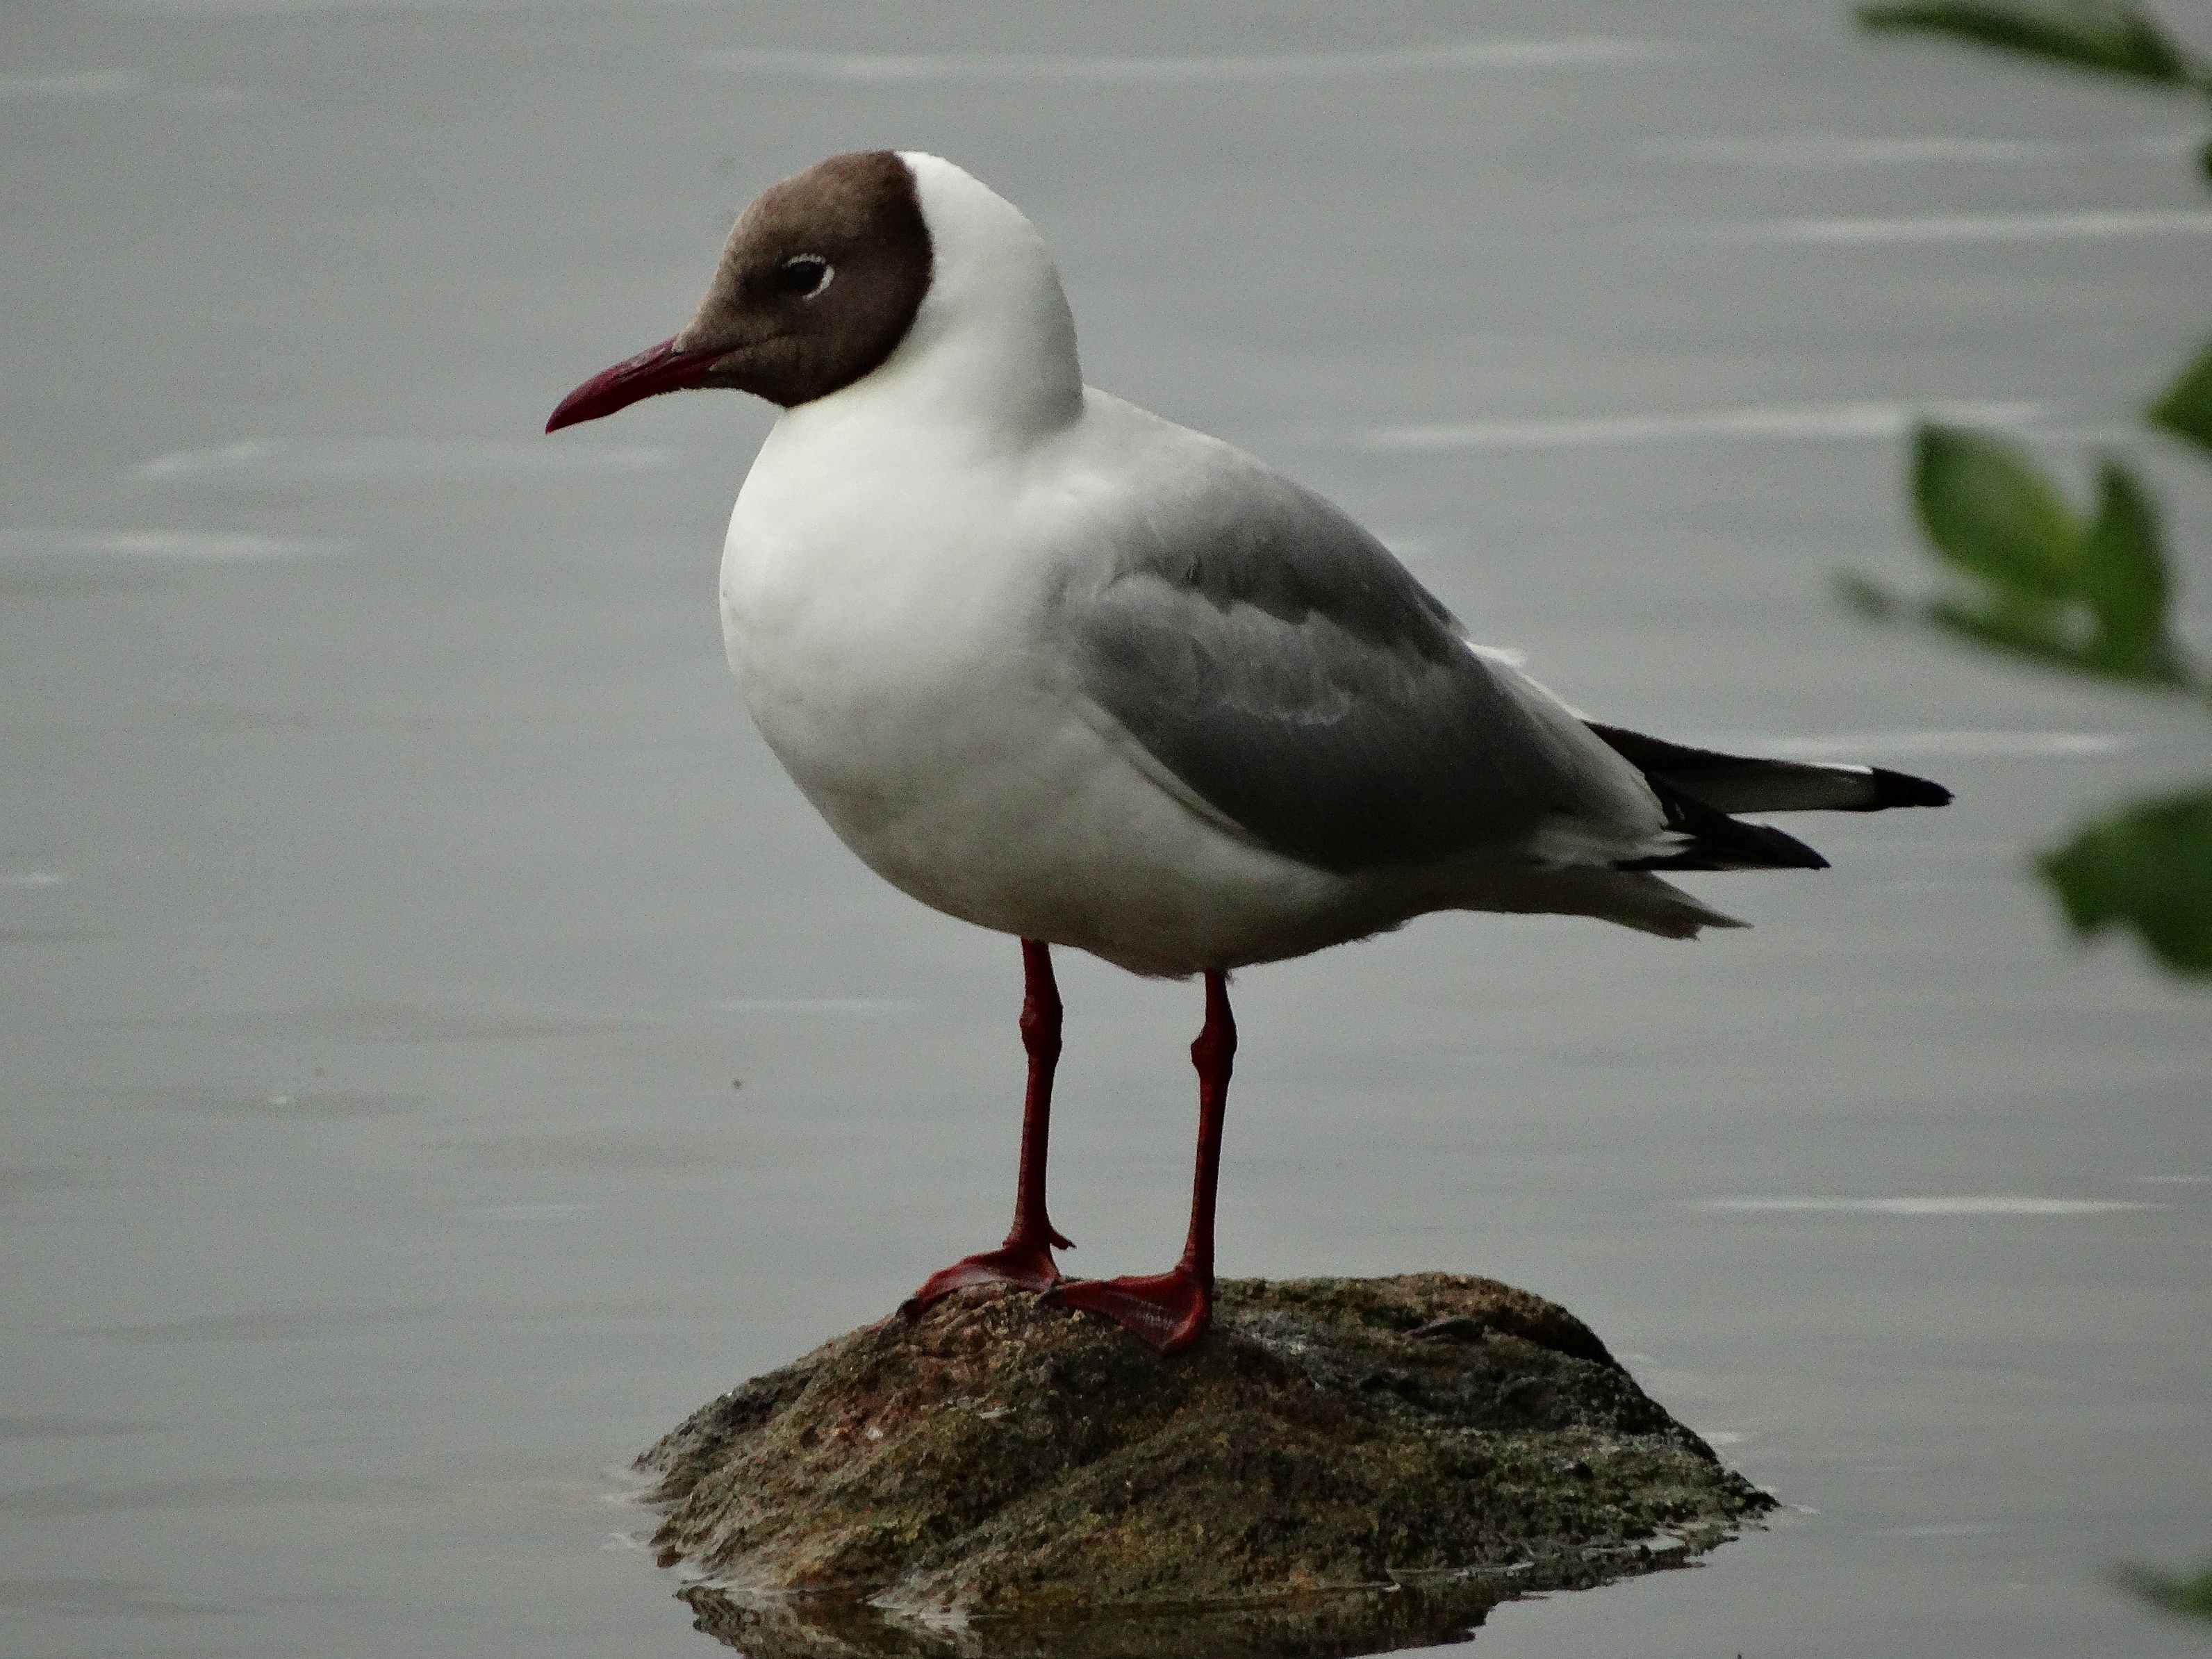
(1062,668)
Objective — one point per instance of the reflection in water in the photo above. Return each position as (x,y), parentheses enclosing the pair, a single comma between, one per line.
(1427,1611)
(1323,1627)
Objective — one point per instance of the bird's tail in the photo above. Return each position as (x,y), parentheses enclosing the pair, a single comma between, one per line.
(1745,783)
(1629,898)
(1700,787)
(1653,906)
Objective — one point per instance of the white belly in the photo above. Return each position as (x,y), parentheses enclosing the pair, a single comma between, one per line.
(892,684)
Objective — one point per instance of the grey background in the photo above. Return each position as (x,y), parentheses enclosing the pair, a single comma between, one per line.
(391,888)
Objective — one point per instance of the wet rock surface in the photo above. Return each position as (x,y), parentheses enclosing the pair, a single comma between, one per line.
(1338,1467)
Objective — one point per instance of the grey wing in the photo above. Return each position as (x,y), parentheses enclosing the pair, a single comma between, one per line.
(1289,670)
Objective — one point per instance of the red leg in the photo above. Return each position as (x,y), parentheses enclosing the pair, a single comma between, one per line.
(1025,1259)
(1171,1310)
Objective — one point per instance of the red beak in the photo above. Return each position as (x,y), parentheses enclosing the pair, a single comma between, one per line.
(656,370)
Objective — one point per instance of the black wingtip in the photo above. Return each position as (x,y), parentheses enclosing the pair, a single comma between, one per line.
(1789,852)
(1903,789)
(1718,841)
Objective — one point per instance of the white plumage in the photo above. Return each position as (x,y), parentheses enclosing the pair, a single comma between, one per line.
(906,566)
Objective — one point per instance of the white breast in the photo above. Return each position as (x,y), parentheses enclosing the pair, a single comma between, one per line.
(865,617)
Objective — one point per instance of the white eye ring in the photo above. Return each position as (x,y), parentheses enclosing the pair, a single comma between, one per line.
(796,264)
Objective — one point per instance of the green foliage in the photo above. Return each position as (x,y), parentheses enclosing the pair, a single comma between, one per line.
(2147,867)
(2118,38)
(2087,594)
(2185,409)
(2191,1596)
(1991,511)
(2124,582)
(1869,599)
(2041,582)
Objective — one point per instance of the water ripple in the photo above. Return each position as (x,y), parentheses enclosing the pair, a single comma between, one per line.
(882,69)
(1973,228)
(1792,151)
(81,83)
(1791,422)
(1856,745)
(268,461)
(1960,1205)
(179,546)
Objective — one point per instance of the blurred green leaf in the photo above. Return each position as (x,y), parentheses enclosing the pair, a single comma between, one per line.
(2186,408)
(1865,596)
(2191,1596)
(2150,867)
(2120,39)
(2124,575)
(2090,600)
(1992,512)
(2034,629)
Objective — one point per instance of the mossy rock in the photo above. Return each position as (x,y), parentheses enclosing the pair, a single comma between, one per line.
(1340,1465)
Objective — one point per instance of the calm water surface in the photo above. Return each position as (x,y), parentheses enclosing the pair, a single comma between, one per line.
(392,895)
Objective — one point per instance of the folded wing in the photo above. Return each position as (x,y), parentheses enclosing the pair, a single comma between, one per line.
(1281,665)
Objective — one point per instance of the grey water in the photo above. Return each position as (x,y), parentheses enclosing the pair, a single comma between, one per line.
(441,1049)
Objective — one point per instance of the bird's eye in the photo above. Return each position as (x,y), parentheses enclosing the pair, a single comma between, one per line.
(803,276)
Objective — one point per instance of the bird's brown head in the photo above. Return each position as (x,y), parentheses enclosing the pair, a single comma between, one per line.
(818,284)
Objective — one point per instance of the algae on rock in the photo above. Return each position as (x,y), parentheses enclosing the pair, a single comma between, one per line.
(1340,1465)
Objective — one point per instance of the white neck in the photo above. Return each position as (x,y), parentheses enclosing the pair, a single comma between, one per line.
(993,348)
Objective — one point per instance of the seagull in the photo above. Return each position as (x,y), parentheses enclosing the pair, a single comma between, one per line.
(1066,670)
